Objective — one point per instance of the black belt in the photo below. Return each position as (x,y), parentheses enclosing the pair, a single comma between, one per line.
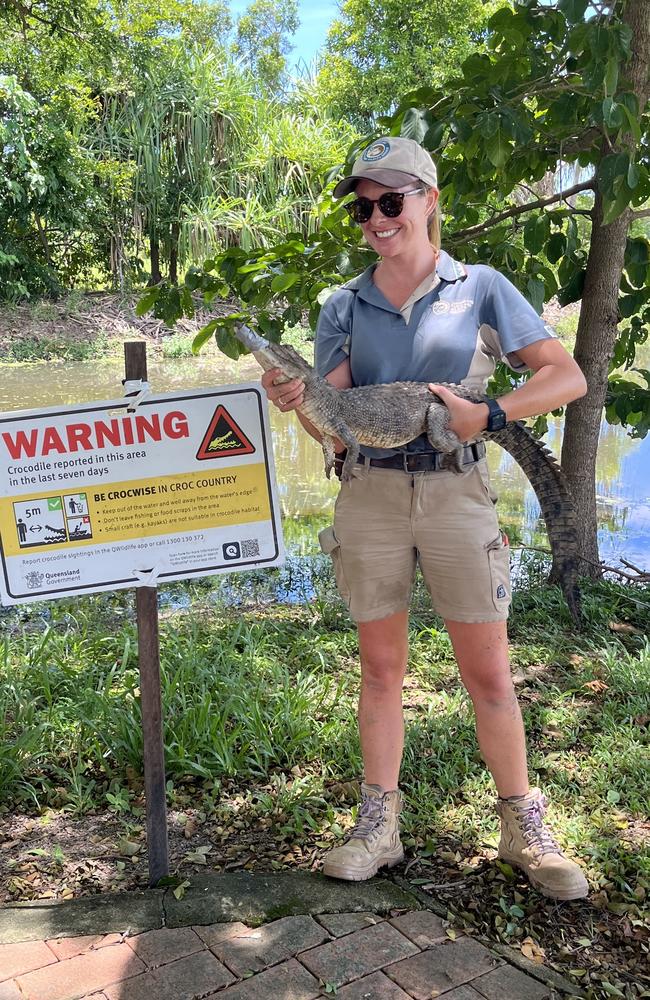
(417,461)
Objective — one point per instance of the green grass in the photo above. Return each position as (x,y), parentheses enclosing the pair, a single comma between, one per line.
(260,733)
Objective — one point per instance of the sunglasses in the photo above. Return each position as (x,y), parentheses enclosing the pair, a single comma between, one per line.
(390,204)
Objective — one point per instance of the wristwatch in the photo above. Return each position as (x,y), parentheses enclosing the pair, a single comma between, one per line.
(497,419)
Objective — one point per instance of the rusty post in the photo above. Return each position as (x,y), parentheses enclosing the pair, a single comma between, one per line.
(146,602)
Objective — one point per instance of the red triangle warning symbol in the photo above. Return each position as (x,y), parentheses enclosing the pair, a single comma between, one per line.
(224,438)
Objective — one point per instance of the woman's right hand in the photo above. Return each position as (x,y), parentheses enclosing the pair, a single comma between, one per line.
(285,395)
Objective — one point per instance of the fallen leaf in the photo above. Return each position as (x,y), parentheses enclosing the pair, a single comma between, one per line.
(179,891)
(596,686)
(532,951)
(128,847)
(190,828)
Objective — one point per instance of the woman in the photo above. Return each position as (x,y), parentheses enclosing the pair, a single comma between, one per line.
(419,315)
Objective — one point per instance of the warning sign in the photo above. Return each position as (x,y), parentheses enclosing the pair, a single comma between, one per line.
(94,497)
(224,438)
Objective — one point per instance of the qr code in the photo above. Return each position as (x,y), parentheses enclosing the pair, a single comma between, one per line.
(250,548)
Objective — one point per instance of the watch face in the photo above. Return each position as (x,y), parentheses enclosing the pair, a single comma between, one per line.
(497,419)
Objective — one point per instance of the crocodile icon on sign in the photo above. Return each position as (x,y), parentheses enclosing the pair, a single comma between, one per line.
(224,437)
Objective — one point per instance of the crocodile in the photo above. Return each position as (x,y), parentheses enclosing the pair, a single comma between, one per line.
(391,415)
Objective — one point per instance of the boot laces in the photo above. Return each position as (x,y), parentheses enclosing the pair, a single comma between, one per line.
(536,833)
(369,817)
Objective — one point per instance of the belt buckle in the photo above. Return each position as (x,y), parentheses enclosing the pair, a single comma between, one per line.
(419,465)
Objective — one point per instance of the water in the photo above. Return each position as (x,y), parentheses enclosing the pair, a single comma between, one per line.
(623,467)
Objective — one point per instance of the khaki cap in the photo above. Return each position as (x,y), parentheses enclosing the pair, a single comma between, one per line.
(393,162)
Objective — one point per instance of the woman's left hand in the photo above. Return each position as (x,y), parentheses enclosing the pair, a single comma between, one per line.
(466,419)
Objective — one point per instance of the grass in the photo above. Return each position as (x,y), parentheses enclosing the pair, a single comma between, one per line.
(57,349)
(261,740)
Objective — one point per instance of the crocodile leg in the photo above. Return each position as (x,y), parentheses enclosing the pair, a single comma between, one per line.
(327,444)
(441,438)
(335,428)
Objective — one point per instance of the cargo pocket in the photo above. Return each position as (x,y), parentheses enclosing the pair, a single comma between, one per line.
(498,553)
(329,544)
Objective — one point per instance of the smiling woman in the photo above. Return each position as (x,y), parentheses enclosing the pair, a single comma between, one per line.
(420,316)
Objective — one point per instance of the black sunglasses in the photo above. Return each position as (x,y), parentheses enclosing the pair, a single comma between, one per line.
(390,204)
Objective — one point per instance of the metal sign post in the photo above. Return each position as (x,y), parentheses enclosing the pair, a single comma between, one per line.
(146,602)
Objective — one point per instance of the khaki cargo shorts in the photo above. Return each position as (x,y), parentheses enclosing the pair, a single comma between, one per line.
(386,522)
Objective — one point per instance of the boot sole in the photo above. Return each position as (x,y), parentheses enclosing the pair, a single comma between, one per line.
(565,895)
(360,875)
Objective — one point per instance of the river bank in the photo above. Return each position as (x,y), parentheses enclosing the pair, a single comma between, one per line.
(85,326)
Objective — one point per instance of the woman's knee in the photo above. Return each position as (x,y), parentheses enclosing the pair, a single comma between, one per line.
(383,646)
(382,672)
(491,684)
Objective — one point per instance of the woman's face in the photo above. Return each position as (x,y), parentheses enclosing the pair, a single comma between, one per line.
(408,230)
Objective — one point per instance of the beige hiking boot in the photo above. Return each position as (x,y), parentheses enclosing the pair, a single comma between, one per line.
(374,839)
(528,844)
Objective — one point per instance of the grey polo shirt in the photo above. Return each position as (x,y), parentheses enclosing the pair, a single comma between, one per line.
(454,327)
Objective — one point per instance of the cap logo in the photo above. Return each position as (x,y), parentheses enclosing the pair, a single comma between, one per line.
(376,152)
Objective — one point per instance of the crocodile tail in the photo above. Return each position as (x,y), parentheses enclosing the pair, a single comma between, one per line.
(550,485)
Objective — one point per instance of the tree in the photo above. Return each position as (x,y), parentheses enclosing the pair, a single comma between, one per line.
(378,50)
(263,40)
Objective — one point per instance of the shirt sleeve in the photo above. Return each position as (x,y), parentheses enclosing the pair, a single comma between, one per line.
(333,331)
(511,323)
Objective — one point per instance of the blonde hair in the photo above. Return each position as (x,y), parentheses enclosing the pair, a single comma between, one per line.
(434,224)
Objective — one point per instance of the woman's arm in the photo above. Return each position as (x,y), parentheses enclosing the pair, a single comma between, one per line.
(557,380)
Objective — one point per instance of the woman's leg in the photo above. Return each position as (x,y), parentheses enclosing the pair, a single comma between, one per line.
(383,646)
(482,655)
(481,651)
(374,840)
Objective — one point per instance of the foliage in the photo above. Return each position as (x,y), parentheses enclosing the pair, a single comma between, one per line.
(46,192)
(182,151)
(378,51)
(262,41)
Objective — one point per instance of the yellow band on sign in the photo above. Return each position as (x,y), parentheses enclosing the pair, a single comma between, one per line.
(134,509)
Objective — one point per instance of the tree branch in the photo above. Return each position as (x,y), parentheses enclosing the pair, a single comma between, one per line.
(643,214)
(467,234)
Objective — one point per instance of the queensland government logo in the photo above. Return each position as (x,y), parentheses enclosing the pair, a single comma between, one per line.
(34,580)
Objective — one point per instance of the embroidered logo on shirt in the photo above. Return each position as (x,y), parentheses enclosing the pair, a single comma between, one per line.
(376,152)
(453,308)
(501,592)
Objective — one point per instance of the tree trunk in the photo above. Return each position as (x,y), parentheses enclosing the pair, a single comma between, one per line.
(154,249)
(598,325)
(173,253)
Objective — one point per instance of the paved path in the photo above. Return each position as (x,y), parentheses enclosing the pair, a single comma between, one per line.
(402,954)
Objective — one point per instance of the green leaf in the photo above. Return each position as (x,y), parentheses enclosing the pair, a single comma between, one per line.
(416,124)
(572,291)
(148,300)
(611,77)
(573,10)
(283,281)
(204,335)
(228,343)
(556,247)
(536,232)
(498,149)
(536,293)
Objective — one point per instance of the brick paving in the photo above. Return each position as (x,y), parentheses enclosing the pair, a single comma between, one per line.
(353,956)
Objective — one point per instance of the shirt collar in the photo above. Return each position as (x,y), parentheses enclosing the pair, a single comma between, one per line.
(446,268)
